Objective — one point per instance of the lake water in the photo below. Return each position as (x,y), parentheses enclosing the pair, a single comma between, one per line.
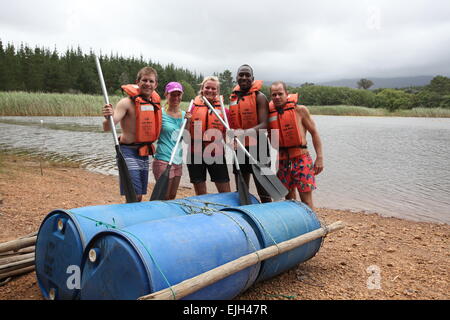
(394,166)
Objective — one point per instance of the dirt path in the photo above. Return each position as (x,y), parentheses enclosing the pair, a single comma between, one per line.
(372,258)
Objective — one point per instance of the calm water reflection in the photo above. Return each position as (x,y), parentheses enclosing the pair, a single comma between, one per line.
(393,166)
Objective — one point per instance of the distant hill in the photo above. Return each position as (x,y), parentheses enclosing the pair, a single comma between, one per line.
(399,82)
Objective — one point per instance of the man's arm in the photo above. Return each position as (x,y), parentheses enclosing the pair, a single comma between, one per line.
(262,105)
(118,113)
(310,126)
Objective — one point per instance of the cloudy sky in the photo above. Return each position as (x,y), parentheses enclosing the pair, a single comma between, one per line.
(295,41)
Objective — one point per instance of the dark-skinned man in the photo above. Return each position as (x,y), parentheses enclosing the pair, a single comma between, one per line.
(249,109)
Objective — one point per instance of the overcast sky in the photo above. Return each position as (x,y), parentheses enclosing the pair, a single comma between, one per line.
(295,41)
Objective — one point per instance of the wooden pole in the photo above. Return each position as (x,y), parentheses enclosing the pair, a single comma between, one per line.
(25,250)
(29,235)
(16,272)
(16,265)
(196,283)
(18,244)
(15,258)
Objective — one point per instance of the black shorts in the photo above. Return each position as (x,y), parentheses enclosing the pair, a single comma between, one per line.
(245,165)
(217,171)
(246,169)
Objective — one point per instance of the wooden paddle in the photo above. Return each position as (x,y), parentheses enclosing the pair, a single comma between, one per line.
(124,174)
(242,188)
(162,185)
(268,180)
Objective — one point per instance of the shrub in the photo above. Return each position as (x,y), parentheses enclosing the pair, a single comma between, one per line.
(392,99)
(427,99)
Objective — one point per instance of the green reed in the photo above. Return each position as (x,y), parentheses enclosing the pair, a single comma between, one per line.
(379,112)
(51,104)
(64,104)
(347,111)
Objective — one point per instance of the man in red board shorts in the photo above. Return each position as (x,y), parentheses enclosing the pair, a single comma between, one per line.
(296,168)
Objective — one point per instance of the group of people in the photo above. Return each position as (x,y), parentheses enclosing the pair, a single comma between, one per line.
(144,121)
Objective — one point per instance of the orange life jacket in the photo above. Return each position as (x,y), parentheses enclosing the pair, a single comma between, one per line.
(291,138)
(243,110)
(201,112)
(148,114)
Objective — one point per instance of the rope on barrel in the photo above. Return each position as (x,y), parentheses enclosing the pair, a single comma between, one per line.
(189,208)
(113,226)
(313,215)
(249,240)
(262,226)
(155,262)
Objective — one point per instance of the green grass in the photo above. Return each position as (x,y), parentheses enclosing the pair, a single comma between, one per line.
(51,104)
(379,112)
(347,111)
(55,104)
(424,112)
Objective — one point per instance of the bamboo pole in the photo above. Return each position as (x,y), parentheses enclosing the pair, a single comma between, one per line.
(18,244)
(29,235)
(18,252)
(26,250)
(17,257)
(196,283)
(16,272)
(16,265)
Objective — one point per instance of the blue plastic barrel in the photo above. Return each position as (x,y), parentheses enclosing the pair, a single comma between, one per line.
(277,222)
(148,257)
(64,234)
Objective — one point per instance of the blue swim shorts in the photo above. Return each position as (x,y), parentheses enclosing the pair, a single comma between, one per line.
(138,168)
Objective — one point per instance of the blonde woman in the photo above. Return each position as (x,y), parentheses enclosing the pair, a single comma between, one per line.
(207,131)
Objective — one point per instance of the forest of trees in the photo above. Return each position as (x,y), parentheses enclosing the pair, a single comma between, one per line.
(44,70)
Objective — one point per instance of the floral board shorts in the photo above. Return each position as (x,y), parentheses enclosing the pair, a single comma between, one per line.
(298,173)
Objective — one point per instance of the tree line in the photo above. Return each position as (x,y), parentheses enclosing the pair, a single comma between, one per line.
(43,70)
(434,95)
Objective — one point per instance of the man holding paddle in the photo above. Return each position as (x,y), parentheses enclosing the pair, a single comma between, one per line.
(296,168)
(140,118)
(249,109)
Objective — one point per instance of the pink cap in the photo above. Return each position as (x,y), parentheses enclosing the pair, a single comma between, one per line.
(174,86)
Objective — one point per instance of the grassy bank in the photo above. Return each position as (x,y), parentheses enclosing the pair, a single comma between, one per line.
(51,104)
(379,112)
(55,104)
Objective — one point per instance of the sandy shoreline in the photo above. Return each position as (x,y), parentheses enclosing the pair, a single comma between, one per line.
(412,258)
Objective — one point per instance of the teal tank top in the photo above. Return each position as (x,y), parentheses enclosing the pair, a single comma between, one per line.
(166,142)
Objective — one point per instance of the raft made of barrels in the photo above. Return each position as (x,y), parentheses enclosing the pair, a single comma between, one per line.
(148,257)
(64,234)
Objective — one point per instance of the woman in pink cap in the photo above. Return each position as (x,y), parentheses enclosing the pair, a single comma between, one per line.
(172,119)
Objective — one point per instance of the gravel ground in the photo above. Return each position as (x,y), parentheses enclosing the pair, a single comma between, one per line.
(374,257)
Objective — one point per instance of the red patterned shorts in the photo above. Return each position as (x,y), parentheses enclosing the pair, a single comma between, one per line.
(298,173)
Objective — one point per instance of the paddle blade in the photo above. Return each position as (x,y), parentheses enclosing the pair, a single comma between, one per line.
(242,188)
(161,186)
(125,179)
(270,182)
